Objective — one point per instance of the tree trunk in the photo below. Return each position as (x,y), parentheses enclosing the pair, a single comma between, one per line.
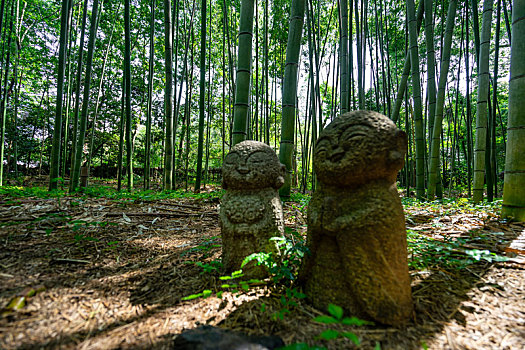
(468,116)
(175,36)
(189,28)
(416,91)
(440,103)
(343,62)
(57,131)
(68,93)
(482,110)
(514,186)
(99,93)
(77,86)
(127,73)
(147,161)
(202,95)
(168,97)
(475,27)
(85,100)
(244,66)
(406,69)
(290,92)
(5,97)
(431,64)
(122,128)
(492,139)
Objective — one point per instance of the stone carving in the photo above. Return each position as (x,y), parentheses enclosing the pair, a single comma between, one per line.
(356,225)
(251,211)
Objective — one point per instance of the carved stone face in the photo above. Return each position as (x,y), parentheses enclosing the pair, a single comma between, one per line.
(358,147)
(252,165)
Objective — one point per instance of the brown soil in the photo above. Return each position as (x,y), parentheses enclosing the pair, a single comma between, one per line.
(112,273)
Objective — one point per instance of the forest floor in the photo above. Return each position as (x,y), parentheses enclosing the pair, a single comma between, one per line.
(103,272)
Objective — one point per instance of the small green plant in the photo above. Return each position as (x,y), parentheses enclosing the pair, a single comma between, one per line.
(284,267)
(82,237)
(336,317)
(112,245)
(288,300)
(204,294)
(211,267)
(235,286)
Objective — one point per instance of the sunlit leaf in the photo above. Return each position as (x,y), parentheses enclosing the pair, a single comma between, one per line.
(329,334)
(335,311)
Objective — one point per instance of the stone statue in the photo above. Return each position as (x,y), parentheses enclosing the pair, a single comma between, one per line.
(251,211)
(356,225)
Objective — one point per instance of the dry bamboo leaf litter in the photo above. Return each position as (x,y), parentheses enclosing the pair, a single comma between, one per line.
(129,293)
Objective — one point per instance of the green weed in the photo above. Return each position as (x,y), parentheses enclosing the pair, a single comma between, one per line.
(211,267)
(234,285)
(282,268)
(288,301)
(426,252)
(336,317)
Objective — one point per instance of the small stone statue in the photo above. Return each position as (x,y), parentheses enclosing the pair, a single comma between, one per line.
(356,225)
(251,211)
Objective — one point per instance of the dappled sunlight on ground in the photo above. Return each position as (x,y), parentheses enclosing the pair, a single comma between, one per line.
(115,273)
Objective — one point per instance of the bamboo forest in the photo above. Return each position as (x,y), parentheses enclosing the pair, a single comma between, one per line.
(275,174)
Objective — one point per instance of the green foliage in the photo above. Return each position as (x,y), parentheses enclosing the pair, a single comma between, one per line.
(288,300)
(301,199)
(234,285)
(148,195)
(426,252)
(282,268)
(336,317)
(211,267)
(204,294)
(82,237)
(24,192)
(99,191)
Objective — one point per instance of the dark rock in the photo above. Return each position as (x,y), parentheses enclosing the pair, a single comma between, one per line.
(213,338)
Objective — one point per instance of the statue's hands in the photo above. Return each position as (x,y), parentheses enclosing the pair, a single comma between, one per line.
(338,224)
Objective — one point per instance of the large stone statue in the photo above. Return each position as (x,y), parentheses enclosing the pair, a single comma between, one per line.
(251,211)
(356,225)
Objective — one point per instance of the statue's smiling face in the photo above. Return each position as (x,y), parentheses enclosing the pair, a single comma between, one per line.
(250,167)
(339,149)
(246,168)
(358,147)
(343,153)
